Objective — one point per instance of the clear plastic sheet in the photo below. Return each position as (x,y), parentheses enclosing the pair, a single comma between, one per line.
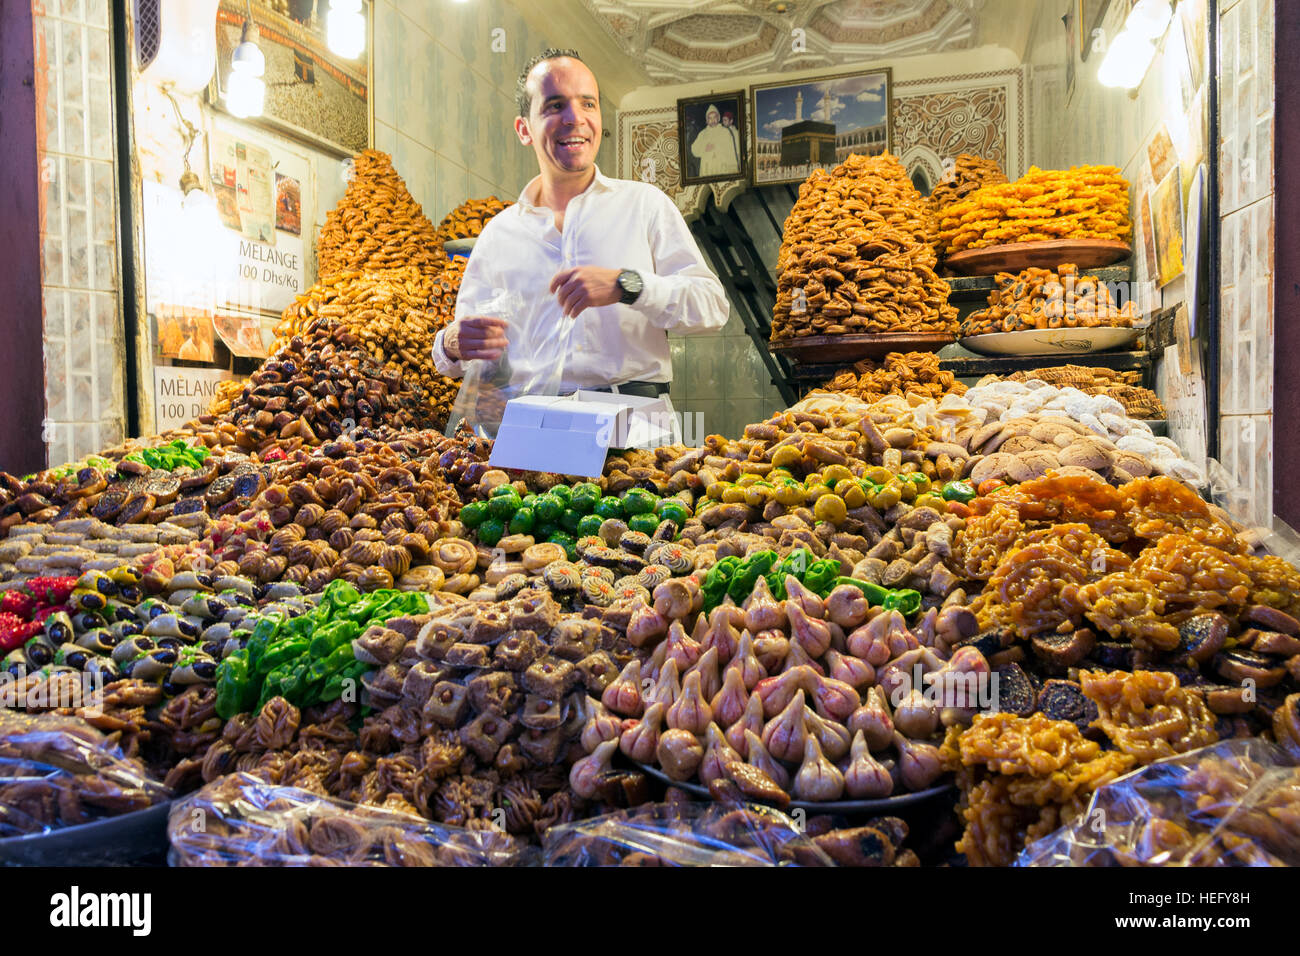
(532,363)
(1236,803)
(241,820)
(58,772)
(683,834)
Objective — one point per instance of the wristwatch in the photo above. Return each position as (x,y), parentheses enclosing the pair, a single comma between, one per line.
(630,283)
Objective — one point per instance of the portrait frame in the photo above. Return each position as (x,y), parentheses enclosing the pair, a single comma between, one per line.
(775,100)
(274,34)
(691,112)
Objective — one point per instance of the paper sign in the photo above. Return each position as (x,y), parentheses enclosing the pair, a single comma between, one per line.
(1185,402)
(180,394)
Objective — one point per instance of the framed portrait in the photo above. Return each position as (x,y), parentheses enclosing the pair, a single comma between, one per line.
(312,94)
(815,123)
(711,135)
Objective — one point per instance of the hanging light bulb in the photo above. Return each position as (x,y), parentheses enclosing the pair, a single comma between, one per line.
(1126,61)
(246,90)
(200,219)
(1148,19)
(346,28)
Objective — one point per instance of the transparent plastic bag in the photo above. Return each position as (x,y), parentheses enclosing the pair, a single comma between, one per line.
(241,820)
(683,834)
(1236,803)
(58,771)
(532,363)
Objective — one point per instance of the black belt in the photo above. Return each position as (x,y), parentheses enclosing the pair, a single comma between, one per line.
(640,389)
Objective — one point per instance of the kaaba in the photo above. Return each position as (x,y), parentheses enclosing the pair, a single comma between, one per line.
(808,142)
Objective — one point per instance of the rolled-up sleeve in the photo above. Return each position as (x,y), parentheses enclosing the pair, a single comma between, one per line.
(474,283)
(683,295)
(442,361)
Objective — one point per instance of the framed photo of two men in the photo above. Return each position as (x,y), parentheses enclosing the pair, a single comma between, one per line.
(711,136)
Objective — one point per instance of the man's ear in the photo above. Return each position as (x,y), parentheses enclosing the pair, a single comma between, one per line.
(522,131)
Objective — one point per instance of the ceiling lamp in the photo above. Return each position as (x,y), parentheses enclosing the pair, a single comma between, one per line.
(1126,61)
(346,28)
(246,90)
(1131,52)
(1149,18)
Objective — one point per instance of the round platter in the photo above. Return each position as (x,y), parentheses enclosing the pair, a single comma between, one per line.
(129,836)
(846,349)
(1012,257)
(1050,341)
(830,806)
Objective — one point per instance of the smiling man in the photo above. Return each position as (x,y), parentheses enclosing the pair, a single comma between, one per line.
(607,267)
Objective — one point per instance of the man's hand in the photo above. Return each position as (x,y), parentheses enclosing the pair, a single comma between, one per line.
(585,287)
(475,337)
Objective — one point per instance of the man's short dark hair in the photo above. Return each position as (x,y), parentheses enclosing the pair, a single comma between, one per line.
(524,99)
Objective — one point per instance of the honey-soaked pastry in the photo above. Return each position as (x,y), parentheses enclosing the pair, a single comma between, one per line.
(856,256)
(901,373)
(1047,299)
(1083,202)
(1020,779)
(1147,714)
(377,224)
(467,220)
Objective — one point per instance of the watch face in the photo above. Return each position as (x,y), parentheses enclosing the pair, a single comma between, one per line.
(630,283)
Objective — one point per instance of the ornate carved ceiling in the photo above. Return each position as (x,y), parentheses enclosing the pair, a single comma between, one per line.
(678,41)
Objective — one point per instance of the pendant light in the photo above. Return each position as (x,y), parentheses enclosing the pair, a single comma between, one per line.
(346,28)
(245,89)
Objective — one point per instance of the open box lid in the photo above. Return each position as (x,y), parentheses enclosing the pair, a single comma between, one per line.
(572,434)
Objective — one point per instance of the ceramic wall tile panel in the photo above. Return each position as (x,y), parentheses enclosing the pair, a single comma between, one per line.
(1246,251)
(84,350)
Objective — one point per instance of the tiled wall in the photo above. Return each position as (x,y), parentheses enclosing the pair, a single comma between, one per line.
(1246,248)
(84,356)
(1097,124)
(445,98)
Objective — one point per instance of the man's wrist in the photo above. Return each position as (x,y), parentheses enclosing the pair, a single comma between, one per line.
(630,285)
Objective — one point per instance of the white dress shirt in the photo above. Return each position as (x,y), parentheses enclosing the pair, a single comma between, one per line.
(616,224)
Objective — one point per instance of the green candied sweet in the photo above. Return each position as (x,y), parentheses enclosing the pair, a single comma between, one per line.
(821,575)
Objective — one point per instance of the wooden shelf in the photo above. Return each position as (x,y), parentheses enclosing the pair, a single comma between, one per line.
(845,349)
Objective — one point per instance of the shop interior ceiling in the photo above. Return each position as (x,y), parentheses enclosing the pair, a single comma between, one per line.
(659,42)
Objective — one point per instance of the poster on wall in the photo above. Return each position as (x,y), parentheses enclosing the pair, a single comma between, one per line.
(1167,223)
(814,124)
(243,333)
(264,182)
(312,93)
(711,130)
(184,333)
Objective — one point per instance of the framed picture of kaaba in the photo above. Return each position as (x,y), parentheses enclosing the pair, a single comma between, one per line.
(797,127)
(313,94)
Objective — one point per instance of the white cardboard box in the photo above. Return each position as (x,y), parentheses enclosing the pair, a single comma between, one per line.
(572,434)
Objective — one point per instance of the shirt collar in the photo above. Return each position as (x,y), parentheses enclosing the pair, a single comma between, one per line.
(601,183)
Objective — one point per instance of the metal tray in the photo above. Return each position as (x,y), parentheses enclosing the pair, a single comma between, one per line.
(107,842)
(830,806)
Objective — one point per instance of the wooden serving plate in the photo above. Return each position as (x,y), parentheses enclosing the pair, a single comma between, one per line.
(847,348)
(1015,256)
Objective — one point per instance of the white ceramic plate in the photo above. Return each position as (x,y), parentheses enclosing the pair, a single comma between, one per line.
(1050,341)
